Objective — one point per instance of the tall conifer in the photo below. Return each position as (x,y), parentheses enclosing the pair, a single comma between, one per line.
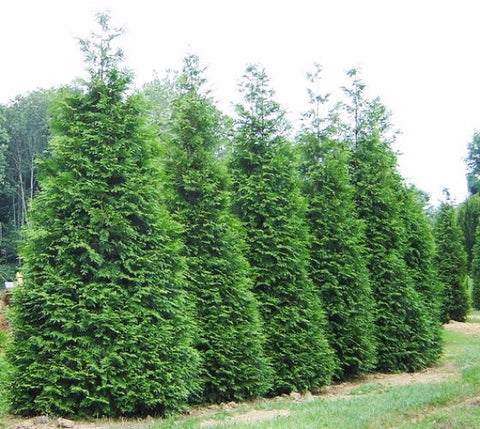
(476,271)
(101,326)
(402,325)
(337,260)
(419,257)
(468,215)
(267,199)
(451,262)
(230,340)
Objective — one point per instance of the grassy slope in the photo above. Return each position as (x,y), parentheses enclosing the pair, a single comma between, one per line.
(446,404)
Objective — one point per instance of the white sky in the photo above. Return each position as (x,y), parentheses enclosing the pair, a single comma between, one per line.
(420,56)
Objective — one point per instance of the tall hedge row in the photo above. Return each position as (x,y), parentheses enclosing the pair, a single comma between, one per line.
(183,264)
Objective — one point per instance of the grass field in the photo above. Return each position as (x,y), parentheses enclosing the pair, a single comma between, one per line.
(447,396)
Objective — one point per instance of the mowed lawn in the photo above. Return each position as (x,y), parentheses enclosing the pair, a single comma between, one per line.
(447,396)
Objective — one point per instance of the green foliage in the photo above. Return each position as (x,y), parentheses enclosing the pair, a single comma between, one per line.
(337,262)
(26,124)
(160,93)
(267,199)
(451,262)
(101,326)
(7,232)
(419,257)
(229,337)
(402,325)
(3,144)
(468,214)
(476,272)
(473,164)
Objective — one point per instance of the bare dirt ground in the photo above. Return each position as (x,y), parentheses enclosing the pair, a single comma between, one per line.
(242,413)
(465,328)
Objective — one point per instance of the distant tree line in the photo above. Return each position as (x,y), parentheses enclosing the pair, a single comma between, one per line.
(173,255)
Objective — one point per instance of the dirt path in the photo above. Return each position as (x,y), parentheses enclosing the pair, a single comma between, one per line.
(472,328)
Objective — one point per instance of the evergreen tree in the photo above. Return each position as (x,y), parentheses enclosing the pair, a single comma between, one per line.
(468,214)
(476,272)
(230,340)
(101,326)
(268,201)
(419,257)
(451,262)
(402,325)
(338,265)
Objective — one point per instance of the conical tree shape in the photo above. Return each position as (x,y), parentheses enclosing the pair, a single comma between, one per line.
(101,326)
(338,265)
(419,257)
(402,327)
(268,201)
(451,262)
(230,340)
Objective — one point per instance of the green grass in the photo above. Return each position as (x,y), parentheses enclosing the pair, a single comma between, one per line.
(374,405)
(453,403)
(474,317)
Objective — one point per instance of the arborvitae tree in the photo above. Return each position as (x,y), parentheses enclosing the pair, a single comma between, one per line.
(419,257)
(451,263)
(267,199)
(101,326)
(402,325)
(476,271)
(230,339)
(338,265)
(468,214)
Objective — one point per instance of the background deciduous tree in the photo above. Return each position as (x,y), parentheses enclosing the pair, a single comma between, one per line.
(473,164)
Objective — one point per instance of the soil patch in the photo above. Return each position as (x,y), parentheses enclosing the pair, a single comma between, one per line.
(436,374)
(465,328)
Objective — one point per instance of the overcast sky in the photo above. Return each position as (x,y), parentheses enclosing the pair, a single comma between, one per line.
(420,56)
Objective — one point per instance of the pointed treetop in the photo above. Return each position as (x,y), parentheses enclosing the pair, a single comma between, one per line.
(192,77)
(100,56)
(260,105)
